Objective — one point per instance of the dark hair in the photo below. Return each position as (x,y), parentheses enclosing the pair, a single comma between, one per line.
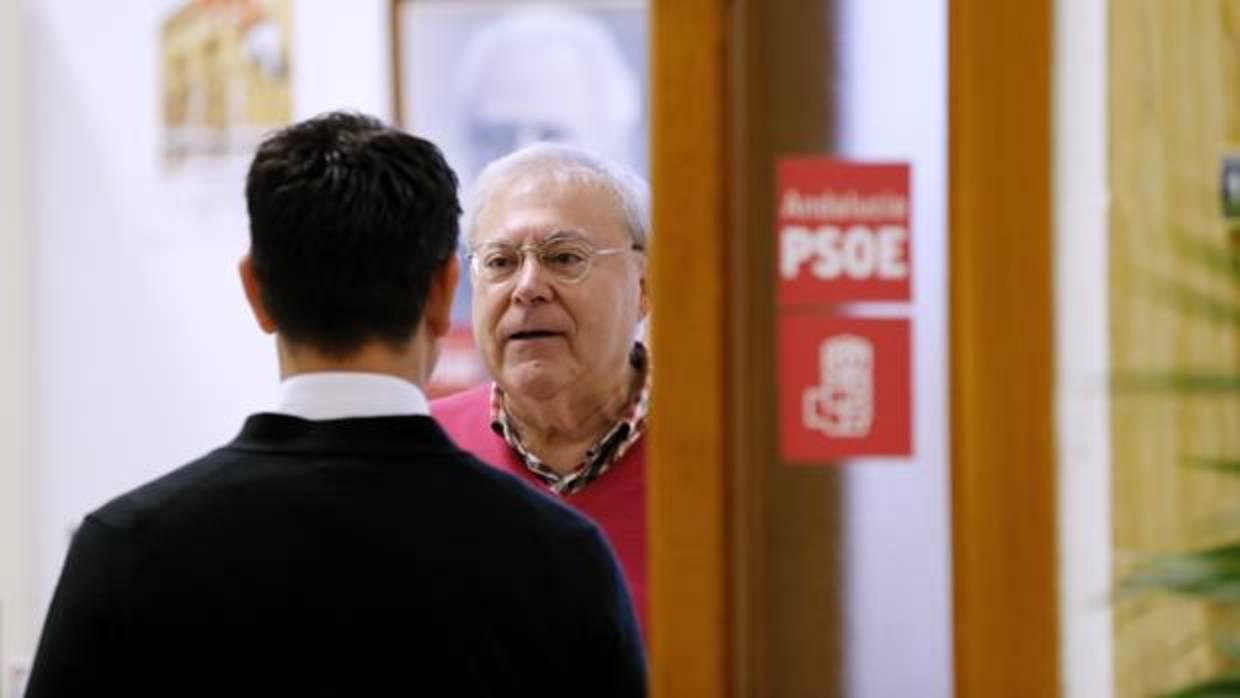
(349,219)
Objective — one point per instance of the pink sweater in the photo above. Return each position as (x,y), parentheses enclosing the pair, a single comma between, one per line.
(616,500)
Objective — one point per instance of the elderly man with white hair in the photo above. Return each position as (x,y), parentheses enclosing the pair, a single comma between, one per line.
(555,239)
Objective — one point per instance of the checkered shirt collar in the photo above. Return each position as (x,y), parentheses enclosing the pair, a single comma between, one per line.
(607,451)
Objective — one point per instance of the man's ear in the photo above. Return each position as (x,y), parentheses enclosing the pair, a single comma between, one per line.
(438,311)
(254,294)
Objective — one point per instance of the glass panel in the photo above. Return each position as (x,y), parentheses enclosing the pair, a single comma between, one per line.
(896,563)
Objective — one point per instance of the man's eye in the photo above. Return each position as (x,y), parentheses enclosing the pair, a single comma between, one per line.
(498,262)
(566,258)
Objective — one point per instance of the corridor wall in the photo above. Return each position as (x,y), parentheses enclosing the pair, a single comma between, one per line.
(16,612)
(146,353)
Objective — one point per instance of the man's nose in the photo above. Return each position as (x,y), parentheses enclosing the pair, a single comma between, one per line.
(530,284)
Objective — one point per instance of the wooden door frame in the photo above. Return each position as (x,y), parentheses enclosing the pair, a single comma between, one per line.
(744,594)
(688,461)
(1002,349)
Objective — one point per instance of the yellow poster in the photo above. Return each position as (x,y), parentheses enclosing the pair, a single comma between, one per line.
(225,77)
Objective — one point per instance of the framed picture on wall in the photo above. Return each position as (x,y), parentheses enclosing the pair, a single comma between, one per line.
(224,77)
(225,70)
(482,78)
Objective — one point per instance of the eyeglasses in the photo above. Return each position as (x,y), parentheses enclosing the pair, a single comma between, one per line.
(566,260)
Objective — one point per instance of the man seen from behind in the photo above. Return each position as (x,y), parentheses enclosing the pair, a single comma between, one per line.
(341,544)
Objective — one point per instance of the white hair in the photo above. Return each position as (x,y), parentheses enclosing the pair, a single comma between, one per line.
(563,165)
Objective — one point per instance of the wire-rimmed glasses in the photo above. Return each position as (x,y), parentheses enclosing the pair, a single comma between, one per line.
(566,259)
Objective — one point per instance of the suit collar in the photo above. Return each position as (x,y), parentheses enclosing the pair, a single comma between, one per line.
(389,436)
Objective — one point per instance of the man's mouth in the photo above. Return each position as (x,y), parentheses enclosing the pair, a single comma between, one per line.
(533,334)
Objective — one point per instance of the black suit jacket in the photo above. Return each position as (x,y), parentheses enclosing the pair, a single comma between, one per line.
(341,557)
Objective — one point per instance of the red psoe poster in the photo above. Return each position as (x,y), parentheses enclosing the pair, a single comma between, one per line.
(844,388)
(842,231)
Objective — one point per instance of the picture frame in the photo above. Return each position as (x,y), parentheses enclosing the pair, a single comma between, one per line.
(481,78)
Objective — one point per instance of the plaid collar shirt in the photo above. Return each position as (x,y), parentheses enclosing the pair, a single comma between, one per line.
(609,449)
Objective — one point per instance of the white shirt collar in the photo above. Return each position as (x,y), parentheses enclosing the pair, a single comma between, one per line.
(340,395)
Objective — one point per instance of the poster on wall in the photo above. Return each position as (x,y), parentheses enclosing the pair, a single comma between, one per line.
(845,388)
(225,78)
(842,234)
(224,84)
(482,79)
(843,231)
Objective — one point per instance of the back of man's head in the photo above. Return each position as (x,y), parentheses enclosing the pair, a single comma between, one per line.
(349,219)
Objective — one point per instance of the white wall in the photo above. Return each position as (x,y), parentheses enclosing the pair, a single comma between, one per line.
(147,354)
(1082,347)
(16,610)
(892,94)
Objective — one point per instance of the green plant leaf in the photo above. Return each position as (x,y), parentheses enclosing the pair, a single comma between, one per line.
(1219,687)
(1230,466)
(1212,574)
(1176,382)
